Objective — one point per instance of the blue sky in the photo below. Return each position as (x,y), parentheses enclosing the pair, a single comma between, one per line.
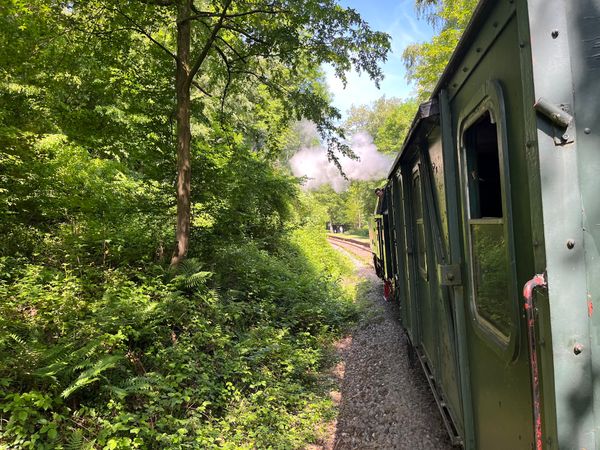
(398,19)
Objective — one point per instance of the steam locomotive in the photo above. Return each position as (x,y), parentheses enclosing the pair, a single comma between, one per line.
(487,232)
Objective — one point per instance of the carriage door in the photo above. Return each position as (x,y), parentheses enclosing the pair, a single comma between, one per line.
(421,270)
(498,371)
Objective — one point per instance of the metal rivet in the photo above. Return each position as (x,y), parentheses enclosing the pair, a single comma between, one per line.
(577,349)
(478,49)
(554,34)
(570,244)
(450,276)
(465,69)
(587,131)
(522,44)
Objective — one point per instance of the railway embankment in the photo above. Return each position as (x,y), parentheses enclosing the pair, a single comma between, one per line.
(383,401)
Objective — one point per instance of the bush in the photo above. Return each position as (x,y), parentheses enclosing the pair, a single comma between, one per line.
(220,354)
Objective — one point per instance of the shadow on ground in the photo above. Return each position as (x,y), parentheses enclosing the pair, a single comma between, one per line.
(384,402)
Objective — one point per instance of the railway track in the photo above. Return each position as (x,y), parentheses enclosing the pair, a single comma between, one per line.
(354,242)
(358,248)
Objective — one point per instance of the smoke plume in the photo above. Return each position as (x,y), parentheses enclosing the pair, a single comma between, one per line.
(312,163)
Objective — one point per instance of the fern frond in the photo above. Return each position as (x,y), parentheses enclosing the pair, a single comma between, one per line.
(189,266)
(75,441)
(92,374)
(189,274)
(197,279)
(135,385)
(31,353)
(56,361)
(18,339)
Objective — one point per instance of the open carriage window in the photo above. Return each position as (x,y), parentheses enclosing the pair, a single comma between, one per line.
(483,162)
(487,225)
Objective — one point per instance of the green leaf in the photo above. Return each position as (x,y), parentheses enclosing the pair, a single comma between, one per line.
(52,434)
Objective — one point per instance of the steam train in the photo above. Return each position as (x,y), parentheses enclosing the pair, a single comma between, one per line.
(487,231)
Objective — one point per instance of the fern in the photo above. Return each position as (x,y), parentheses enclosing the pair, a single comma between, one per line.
(56,361)
(135,385)
(64,360)
(17,339)
(189,266)
(75,441)
(197,279)
(92,374)
(189,274)
(30,352)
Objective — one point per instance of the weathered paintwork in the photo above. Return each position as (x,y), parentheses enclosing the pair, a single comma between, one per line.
(476,350)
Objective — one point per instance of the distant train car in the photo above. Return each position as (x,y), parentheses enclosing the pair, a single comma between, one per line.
(489,229)
(380,234)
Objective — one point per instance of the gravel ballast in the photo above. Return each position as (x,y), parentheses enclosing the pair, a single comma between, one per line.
(384,403)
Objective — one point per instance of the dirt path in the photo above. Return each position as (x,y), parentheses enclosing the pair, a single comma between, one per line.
(384,403)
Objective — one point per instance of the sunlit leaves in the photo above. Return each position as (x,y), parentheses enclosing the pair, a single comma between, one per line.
(425,61)
(386,120)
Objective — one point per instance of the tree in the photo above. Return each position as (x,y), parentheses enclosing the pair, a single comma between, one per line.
(425,62)
(333,202)
(220,44)
(360,202)
(386,120)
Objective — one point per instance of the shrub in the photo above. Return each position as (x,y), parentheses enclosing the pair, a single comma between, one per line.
(216,354)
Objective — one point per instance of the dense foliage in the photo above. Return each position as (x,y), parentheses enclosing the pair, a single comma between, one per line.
(426,61)
(219,355)
(104,344)
(386,120)
(350,208)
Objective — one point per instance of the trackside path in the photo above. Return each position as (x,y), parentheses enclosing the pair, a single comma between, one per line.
(384,403)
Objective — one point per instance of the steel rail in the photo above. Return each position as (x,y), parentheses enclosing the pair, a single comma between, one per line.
(353,242)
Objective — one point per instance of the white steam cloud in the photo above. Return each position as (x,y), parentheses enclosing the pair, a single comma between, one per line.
(312,163)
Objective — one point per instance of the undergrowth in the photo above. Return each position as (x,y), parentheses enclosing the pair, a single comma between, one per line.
(223,352)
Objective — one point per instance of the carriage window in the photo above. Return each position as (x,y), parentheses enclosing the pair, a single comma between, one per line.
(420,226)
(489,249)
(485,191)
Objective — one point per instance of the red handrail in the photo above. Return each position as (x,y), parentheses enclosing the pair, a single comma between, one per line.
(536,281)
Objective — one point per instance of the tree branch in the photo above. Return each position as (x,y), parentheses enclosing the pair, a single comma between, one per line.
(140,30)
(200,14)
(240,57)
(266,81)
(159,2)
(244,33)
(226,88)
(209,43)
(201,89)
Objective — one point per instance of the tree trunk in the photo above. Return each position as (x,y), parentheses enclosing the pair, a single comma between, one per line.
(184,135)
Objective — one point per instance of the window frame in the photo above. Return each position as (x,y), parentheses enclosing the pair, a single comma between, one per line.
(416,178)
(490,99)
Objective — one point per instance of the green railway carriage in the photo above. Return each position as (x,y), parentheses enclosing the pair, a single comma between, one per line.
(381,238)
(499,180)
